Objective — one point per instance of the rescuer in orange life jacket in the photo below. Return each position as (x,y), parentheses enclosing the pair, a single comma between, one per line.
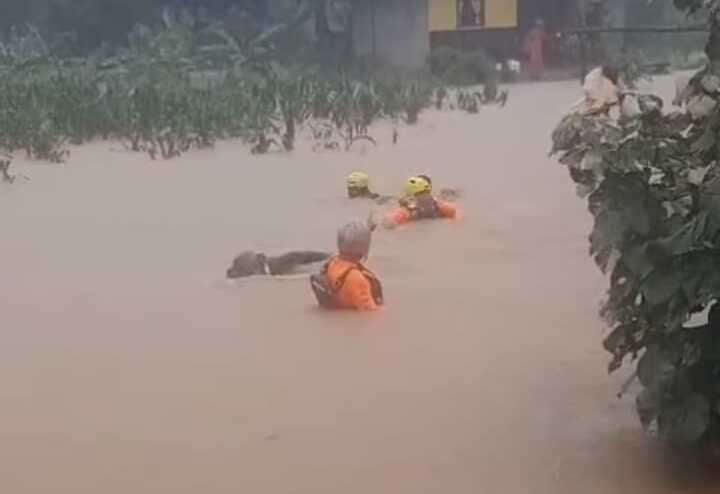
(344,282)
(419,204)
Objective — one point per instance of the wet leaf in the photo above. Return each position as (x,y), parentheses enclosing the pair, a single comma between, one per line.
(710,83)
(655,202)
(660,285)
(648,404)
(710,197)
(637,261)
(618,338)
(656,368)
(687,238)
(701,106)
(696,176)
(687,420)
(591,161)
(705,142)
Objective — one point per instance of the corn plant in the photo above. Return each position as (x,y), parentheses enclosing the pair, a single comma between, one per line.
(415,98)
(293,94)
(5,161)
(354,107)
(27,119)
(469,101)
(175,87)
(441,95)
(260,121)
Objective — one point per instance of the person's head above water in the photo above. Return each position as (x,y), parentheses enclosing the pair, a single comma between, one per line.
(418,185)
(358,184)
(353,241)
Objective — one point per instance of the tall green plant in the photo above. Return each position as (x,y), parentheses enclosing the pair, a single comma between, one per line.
(180,85)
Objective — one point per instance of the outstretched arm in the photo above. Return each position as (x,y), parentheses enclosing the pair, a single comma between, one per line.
(397,217)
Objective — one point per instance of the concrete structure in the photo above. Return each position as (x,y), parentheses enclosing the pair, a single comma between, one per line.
(401,32)
(392,31)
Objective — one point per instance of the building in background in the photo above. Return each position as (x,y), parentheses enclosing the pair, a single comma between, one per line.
(402,32)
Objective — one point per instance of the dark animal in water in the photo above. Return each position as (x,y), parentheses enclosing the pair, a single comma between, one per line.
(250,263)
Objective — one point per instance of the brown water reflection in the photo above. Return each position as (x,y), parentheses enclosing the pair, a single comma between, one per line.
(129,366)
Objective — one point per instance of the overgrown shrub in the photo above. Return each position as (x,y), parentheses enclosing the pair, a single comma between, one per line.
(653,186)
(177,86)
(462,68)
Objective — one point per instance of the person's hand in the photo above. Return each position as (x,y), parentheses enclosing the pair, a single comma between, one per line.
(388,223)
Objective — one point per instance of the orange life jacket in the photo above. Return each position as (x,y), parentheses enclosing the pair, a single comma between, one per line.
(327,292)
(428,212)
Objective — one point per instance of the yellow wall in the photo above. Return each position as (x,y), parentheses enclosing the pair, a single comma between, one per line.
(443,15)
(498,14)
(501,13)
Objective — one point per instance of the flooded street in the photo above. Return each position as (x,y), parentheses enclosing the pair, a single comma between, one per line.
(129,365)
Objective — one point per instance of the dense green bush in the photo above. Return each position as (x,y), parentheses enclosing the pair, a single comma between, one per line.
(462,68)
(180,85)
(652,180)
(166,107)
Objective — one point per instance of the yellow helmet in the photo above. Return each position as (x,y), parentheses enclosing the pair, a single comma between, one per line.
(358,180)
(417,185)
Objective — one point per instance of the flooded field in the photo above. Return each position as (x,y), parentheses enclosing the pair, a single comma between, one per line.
(128,365)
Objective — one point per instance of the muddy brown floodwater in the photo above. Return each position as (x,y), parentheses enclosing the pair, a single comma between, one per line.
(128,365)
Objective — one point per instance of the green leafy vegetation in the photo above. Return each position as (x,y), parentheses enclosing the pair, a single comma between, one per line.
(472,75)
(180,85)
(462,68)
(652,181)
(5,174)
(163,95)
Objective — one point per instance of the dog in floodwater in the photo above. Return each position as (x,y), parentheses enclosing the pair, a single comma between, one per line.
(250,263)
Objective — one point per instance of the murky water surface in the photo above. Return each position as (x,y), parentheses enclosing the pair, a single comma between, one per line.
(128,365)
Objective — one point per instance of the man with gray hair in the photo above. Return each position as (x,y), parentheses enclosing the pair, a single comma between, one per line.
(345,283)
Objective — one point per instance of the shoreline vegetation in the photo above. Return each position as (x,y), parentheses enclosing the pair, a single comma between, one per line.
(652,180)
(175,87)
